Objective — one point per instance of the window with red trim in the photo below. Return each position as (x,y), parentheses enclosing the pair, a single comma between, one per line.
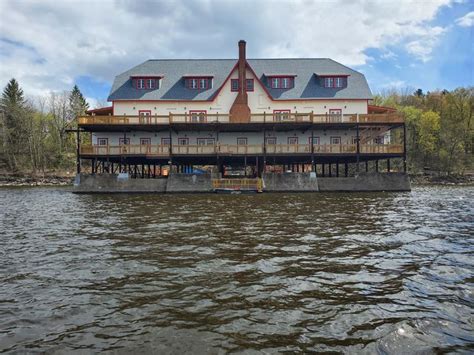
(144,113)
(234,84)
(146,83)
(281,115)
(249,84)
(334,81)
(198,116)
(283,82)
(198,83)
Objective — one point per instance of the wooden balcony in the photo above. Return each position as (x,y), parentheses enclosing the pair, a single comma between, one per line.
(262,118)
(158,150)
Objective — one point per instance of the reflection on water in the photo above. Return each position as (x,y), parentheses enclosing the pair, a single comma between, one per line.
(210,273)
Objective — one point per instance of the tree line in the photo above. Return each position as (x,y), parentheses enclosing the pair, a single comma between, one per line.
(34,135)
(440,128)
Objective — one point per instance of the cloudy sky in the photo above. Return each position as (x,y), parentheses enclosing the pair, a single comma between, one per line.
(51,45)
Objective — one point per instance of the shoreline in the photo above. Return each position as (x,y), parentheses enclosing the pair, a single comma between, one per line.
(35,181)
(61,180)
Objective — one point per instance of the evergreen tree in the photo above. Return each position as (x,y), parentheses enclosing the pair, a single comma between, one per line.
(13,122)
(418,93)
(77,103)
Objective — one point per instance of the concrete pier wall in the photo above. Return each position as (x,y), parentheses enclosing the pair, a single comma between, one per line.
(111,183)
(290,182)
(286,182)
(366,182)
(189,183)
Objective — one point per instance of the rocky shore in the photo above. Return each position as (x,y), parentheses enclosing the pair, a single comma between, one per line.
(22,181)
(461,180)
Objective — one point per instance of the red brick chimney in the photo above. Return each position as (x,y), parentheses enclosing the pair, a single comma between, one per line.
(240,111)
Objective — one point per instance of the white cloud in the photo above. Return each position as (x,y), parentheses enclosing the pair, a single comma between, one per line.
(467,20)
(424,43)
(47,44)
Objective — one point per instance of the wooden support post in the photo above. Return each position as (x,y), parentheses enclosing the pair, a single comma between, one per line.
(313,168)
(377,165)
(337,169)
(256,166)
(245,166)
(323,172)
(346,170)
(366,166)
(388,165)
(404,148)
(78,153)
(358,147)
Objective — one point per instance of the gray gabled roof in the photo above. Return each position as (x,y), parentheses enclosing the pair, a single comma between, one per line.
(306,86)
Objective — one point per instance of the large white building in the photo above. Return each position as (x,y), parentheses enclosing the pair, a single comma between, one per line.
(255,115)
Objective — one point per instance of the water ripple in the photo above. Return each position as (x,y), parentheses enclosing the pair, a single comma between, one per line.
(366,273)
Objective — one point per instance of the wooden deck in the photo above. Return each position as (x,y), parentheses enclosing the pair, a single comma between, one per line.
(170,119)
(160,150)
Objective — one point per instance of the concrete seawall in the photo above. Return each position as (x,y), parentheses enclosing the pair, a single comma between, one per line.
(111,183)
(189,183)
(290,182)
(201,183)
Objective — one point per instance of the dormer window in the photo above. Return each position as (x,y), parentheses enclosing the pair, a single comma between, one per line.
(198,82)
(146,83)
(334,81)
(281,81)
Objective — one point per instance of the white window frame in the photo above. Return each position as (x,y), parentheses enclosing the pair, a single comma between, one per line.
(294,140)
(205,141)
(102,141)
(268,140)
(183,141)
(140,83)
(242,141)
(124,141)
(151,83)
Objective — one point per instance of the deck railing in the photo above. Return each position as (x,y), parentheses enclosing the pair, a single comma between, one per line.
(235,149)
(204,118)
(238,184)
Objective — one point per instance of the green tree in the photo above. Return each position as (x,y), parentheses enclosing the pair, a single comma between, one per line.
(14,122)
(428,134)
(77,103)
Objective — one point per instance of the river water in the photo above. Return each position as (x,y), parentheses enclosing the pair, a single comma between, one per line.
(358,273)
